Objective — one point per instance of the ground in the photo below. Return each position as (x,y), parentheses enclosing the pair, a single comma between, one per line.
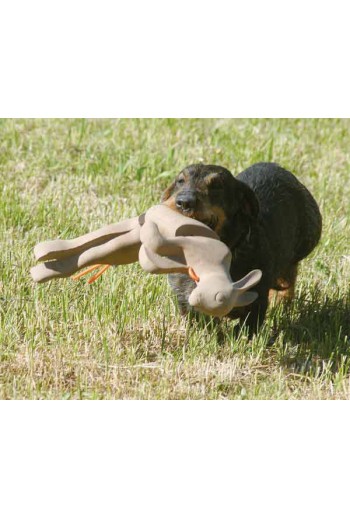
(122,337)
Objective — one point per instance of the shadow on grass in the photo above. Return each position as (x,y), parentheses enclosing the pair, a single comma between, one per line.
(316,335)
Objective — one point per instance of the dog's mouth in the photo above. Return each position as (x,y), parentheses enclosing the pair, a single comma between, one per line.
(209,218)
(211,221)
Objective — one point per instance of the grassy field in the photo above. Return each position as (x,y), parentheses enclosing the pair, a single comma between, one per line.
(122,337)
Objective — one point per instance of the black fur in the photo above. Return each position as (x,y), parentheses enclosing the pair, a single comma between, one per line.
(267,218)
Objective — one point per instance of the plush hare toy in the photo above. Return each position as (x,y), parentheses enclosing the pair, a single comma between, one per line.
(163,241)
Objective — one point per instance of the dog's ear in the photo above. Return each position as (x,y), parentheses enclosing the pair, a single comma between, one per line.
(168,192)
(249,202)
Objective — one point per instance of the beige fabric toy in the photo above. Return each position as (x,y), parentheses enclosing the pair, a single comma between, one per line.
(163,241)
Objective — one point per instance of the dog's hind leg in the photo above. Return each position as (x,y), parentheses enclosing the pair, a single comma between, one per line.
(285,289)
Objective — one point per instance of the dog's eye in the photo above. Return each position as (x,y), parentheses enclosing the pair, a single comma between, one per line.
(180,181)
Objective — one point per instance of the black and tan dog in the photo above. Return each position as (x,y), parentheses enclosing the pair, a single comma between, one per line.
(267,218)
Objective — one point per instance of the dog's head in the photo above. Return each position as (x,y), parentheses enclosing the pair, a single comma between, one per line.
(213,196)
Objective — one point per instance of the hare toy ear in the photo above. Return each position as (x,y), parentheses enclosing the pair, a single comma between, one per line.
(245,299)
(249,281)
(241,295)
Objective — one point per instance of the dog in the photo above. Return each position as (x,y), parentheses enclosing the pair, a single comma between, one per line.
(265,215)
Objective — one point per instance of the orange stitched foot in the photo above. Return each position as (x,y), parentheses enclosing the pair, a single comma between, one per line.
(90,269)
(98,274)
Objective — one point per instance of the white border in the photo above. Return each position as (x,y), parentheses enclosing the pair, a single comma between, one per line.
(174,59)
(174,459)
(187,58)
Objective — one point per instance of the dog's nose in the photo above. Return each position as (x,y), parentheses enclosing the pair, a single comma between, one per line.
(186,202)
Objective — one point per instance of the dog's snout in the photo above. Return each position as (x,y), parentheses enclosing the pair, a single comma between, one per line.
(186,201)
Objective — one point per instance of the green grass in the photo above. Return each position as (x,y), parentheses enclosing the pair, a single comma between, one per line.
(123,337)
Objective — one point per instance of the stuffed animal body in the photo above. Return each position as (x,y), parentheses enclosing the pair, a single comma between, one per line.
(163,241)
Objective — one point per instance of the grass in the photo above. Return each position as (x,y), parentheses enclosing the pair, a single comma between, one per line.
(123,337)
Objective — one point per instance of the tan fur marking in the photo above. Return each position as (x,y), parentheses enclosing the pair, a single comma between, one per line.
(170,202)
(221,218)
(287,286)
(279,296)
(209,178)
(167,193)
